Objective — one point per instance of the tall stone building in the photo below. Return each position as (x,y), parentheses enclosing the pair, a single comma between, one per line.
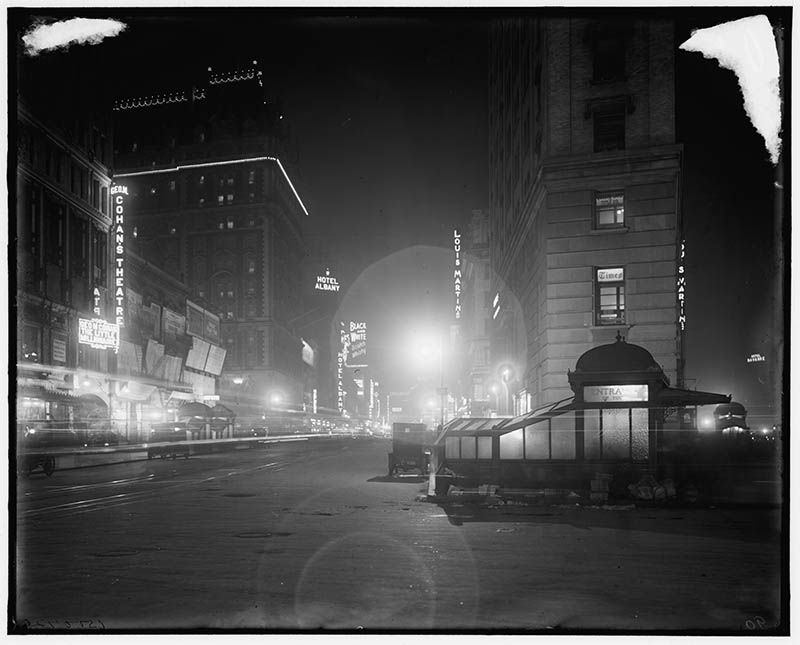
(214,205)
(61,245)
(585,196)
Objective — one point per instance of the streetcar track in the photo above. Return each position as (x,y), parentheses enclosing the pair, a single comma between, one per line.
(113,501)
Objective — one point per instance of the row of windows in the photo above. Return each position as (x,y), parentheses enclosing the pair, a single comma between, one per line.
(54,162)
(607,434)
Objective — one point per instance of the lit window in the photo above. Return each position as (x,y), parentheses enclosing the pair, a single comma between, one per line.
(230,294)
(609,209)
(221,226)
(230,222)
(230,181)
(172,185)
(251,266)
(229,315)
(172,230)
(135,232)
(230,197)
(610,296)
(220,199)
(152,190)
(201,201)
(251,178)
(202,179)
(252,197)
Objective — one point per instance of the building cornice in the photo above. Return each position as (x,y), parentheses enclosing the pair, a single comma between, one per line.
(24,114)
(209,164)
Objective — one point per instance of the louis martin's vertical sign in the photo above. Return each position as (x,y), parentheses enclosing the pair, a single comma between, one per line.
(457,271)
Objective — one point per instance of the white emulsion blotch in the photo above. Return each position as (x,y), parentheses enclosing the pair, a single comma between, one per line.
(747,47)
(75,31)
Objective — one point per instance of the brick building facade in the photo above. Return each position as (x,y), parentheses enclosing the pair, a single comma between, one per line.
(585,196)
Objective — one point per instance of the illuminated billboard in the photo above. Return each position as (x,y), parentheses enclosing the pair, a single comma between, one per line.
(98,334)
(357,344)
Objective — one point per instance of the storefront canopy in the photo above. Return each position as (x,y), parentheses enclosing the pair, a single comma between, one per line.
(221,412)
(194,410)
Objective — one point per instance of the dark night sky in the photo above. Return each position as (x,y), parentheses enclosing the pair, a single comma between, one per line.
(389,114)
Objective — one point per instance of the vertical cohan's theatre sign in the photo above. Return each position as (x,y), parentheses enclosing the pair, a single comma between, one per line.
(119,193)
(457,271)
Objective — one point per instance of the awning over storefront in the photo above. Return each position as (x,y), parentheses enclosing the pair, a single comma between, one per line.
(194,410)
(134,391)
(91,401)
(46,394)
(221,412)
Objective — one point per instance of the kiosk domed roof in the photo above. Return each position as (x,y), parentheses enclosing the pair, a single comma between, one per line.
(617,357)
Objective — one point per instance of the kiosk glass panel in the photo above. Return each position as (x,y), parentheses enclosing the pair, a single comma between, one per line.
(640,433)
(591,434)
(537,441)
(562,436)
(616,434)
(511,445)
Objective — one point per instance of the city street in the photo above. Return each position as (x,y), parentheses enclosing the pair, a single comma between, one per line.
(313,534)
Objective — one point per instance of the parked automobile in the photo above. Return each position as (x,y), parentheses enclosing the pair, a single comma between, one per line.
(49,438)
(104,438)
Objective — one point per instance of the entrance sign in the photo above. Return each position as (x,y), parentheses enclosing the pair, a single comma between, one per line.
(98,334)
(614,393)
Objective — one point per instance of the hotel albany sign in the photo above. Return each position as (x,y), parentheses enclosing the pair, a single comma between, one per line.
(119,193)
(614,393)
(327,282)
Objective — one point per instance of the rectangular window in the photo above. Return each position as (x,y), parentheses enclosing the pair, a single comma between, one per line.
(610,296)
(468,448)
(511,445)
(484,447)
(609,210)
(609,130)
(451,448)
(609,58)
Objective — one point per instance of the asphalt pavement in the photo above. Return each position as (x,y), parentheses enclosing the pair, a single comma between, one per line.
(314,535)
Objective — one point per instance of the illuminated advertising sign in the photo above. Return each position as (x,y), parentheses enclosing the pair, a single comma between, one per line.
(457,271)
(614,393)
(756,358)
(327,282)
(340,368)
(98,334)
(357,344)
(96,305)
(610,275)
(682,286)
(119,193)
(307,353)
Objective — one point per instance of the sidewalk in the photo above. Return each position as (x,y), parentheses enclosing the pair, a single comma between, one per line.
(70,457)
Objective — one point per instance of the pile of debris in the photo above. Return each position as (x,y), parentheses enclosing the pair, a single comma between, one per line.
(648,488)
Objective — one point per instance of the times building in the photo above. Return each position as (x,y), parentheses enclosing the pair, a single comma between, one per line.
(585,234)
